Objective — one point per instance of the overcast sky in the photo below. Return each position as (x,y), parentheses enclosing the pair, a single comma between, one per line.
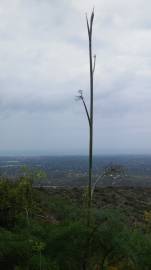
(44,61)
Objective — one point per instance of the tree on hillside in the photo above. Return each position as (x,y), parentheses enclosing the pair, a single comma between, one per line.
(89,113)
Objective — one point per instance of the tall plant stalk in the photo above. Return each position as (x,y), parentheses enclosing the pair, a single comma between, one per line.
(89,113)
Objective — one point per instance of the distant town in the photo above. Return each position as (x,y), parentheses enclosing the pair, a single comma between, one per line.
(72,171)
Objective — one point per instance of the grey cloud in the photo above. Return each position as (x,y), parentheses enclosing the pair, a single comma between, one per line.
(21,96)
(44,61)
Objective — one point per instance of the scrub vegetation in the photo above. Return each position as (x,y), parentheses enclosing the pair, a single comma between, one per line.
(47,229)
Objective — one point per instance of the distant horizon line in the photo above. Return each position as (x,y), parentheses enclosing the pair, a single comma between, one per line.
(28,154)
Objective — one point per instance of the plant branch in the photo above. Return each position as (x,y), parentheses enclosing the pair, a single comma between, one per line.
(86,110)
(88,27)
(94,62)
(97,180)
(81,97)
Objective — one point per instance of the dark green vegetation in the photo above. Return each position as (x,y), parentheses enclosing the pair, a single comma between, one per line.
(47,229)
